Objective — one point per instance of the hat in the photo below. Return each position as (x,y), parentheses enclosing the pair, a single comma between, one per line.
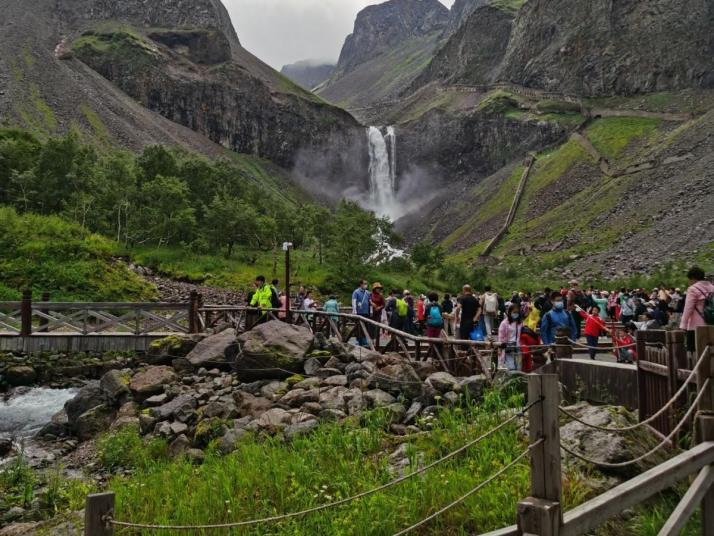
(676,290)
(375,286)
(407,293)
(574,282)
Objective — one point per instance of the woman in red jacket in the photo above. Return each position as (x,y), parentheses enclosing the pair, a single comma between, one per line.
(594,326)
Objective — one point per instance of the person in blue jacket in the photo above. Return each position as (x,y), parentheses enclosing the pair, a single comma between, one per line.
(556,318)
(360,306)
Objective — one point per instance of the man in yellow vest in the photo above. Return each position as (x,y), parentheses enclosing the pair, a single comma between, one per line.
(262,298)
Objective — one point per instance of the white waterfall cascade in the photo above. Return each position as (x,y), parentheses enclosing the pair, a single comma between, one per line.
(382,170)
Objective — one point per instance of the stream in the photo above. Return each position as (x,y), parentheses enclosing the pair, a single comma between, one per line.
(28,410)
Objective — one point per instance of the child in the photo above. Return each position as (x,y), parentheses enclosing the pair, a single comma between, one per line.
(594,326)
(529,339)
(625,346)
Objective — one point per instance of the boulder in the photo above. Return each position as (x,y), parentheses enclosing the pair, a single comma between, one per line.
(332,415)
(93,421)
(58,426)
(275,418)
(312,365)
(376,398)
(88,397)
(272,350)
(443,382)
(298,397)
(115,385)
(610,447)
(309,383)
(179,446)
(151,381)
(294,430)
(412,413)
(473,387)
(230,439)
(274,390)
(5,446)
(355,401)
(20,375)
(398,378)
(335,381)
(333,398)
(212,349)
(209,429)
(251,406)
(170,409)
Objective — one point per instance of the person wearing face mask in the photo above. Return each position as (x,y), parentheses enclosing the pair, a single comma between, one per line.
(556,318)
(697,305)
(360,306)
(509,334)
(627,307)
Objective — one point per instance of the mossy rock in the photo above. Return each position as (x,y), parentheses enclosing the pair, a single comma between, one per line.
(209,429)
(295,379)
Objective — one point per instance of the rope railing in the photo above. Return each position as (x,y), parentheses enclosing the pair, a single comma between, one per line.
(667,440)
(472,492)
(601,348)
(654,417)
(333,504)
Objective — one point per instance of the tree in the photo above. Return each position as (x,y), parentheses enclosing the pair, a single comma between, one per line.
(352,238)
(426,256)
(166,214)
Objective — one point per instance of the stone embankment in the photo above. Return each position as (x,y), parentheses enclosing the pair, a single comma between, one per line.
(275,379)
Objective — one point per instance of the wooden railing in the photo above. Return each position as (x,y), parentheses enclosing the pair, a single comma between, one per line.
(27,318)
(461,357)
(541,515)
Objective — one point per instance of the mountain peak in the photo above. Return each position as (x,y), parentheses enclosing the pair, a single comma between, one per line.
(379,28)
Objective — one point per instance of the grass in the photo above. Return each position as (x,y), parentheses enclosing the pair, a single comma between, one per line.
(238,272)
(267,476)
(612,135)
(510,6)
(46,253)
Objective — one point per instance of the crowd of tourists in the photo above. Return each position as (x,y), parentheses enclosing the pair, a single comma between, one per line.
(525,324)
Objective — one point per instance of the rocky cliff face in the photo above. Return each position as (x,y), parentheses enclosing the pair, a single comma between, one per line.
(391,44)
(309,74)
(381,28)
(166,71)
(604,47)
(473,54)
(460,12)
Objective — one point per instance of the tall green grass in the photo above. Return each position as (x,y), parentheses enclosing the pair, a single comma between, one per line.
(267,476)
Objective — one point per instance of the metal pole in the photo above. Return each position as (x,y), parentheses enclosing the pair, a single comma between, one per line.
(287,282)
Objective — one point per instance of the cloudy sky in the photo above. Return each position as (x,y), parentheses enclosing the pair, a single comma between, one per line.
(285,31)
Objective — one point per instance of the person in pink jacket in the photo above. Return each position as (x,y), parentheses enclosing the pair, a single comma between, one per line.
(509,333)
(697,293)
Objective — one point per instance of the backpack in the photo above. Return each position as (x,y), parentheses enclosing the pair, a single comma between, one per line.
(402,308)
(491,303)
(708,312)
(435,319)
(274,298)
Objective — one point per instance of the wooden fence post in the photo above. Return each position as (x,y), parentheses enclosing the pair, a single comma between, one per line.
(541,514)
(705,413)
(193,312)
(26,313)
(563,346)
(97,508)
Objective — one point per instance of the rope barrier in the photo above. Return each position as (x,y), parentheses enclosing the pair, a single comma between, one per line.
(654,417)
(472,492)
(333,504)
(664,442)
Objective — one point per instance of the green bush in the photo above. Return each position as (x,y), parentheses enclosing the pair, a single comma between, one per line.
(128,450)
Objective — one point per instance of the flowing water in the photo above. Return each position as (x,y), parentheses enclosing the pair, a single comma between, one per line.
(382,170)
(27,411)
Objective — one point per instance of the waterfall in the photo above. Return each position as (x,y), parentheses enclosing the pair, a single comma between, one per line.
(382,170)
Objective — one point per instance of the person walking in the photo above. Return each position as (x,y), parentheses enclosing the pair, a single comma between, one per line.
(509,334)
(556,318)
(434,317)
(377,303)
(490,309)
(360,307)
(262,298)
(594,326)
(468,313)
(698,305)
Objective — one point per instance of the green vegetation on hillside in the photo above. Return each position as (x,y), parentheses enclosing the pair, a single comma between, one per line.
(47,253)
(612,135)
(511,6)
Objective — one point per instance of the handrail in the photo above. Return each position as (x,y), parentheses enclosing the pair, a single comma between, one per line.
(358,318)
